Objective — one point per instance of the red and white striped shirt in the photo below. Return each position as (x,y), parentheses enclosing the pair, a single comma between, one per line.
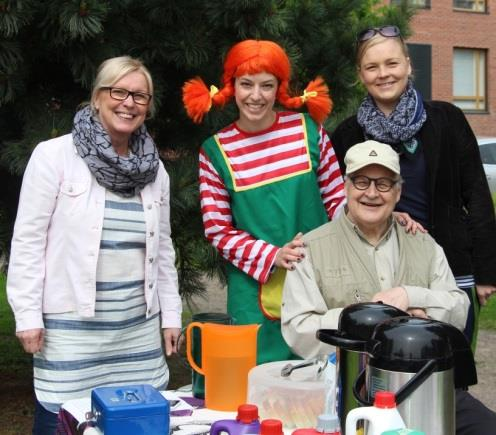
(275,154)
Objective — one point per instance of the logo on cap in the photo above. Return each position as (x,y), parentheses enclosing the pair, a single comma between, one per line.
(373,154)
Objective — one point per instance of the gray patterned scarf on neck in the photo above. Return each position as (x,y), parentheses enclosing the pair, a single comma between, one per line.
(399,128)
(123,175)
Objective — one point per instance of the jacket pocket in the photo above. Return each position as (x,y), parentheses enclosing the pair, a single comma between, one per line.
(72,198)
(73,188)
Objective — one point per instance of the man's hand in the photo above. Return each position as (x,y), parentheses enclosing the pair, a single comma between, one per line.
(291,252)
(31,339)
(484,292)
(418,312)
(171,339)
(396,296)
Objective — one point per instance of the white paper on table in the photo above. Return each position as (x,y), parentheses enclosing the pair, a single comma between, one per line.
(78,408)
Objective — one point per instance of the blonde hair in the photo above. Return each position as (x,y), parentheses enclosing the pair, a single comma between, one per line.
(253,57)
(112,70)
(375,40)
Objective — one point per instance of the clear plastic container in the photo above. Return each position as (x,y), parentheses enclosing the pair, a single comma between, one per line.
(296,400)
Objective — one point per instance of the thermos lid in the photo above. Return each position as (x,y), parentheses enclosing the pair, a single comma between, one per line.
(405,344)
(247,413)
(359,320)
(357,323)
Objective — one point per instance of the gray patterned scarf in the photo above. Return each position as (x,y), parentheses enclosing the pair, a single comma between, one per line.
(123,175)
(399,128)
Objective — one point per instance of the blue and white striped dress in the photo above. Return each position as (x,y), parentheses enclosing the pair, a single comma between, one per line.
(119,345)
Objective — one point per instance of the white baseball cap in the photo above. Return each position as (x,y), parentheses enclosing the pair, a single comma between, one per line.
(371,152)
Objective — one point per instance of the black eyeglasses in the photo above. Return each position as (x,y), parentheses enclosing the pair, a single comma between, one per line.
(121,94)
(386,31)
(382,184)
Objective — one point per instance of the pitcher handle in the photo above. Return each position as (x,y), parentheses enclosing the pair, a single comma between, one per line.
(188,346)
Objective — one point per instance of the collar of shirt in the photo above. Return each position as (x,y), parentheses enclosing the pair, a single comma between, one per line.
(360,234)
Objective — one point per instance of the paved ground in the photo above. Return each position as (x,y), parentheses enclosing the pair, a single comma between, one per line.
(485,355)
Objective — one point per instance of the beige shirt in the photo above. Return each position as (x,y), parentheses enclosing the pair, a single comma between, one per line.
(304,306)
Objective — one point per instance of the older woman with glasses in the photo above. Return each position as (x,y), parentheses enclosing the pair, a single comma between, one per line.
(91,278)
(445,188)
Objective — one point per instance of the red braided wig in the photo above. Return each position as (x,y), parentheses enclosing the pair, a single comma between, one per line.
(253,57)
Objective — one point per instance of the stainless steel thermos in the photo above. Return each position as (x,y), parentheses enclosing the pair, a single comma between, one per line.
(356,325)
(421,360)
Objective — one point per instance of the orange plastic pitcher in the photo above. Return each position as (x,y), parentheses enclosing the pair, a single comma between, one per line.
(228,352)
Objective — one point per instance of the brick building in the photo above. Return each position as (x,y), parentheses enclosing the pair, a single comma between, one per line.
(453,51)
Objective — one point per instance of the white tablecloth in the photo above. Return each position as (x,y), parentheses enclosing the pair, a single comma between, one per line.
(197,423)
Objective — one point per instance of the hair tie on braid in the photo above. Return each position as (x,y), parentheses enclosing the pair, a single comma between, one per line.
(317,99)
(214,90)
(306,95)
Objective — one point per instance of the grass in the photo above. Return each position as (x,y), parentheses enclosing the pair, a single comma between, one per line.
(487,318)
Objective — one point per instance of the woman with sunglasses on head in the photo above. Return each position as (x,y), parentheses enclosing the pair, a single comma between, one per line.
(265,178)
(444,188)
(91,278)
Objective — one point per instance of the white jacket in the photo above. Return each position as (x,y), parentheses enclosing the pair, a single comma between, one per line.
(57,237)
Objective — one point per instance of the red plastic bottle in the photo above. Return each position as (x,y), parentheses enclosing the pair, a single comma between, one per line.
(326,424)
(247,422)
(271,426)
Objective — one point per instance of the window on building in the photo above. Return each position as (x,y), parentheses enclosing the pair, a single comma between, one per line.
(421,59)
(421,4)
(469,79)
(470,5)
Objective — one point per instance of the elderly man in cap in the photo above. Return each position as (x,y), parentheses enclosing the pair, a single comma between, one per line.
(364,256)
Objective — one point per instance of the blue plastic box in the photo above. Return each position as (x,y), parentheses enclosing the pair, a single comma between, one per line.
(130,410)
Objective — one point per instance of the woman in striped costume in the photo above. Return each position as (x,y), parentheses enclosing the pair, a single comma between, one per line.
(264,179)
(91,278)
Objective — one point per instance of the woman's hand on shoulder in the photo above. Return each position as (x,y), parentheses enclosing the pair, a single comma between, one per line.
(291,252)
(171,339)
(411,226)
(31,339)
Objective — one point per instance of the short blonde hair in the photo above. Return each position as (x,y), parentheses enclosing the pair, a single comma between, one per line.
(377,39)
(113,69)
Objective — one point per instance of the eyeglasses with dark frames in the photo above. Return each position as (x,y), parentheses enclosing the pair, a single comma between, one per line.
(121,94)
(386,31)
(382,184)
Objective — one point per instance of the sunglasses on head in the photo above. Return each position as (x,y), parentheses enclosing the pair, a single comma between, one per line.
(386,31)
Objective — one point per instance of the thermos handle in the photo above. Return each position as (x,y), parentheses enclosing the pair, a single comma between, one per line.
(416,381)
(358,386)
(189,342)
(336,338)
(403,392)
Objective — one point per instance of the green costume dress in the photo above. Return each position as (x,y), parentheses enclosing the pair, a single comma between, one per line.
(258,190)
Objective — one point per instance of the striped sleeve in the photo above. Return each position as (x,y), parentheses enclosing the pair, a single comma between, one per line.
(252,256)
(329,177)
